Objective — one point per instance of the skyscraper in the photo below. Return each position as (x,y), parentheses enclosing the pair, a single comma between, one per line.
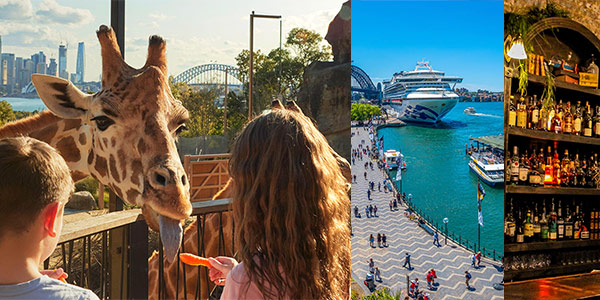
(80,62)
(62,62)
(8,60)
(39,63)
(51,67)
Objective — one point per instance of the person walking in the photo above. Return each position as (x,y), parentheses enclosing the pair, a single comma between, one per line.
(391,206)
(378,274)
(429,279)
(369,194)
(473,259)
(395,204)
(356,211)
(478,257)
(436,240)
(467,278)
(367,211)
(375,210)
(371,241)
(407,261)
(379,240)
(379,186)
(433,276)
(371,209)
(384,240)
(371,266)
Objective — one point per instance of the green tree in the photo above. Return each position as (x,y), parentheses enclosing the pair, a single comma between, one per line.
(6,113)
(307,45)
(363,112)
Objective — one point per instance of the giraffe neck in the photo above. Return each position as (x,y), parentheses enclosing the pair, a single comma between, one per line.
(70,137)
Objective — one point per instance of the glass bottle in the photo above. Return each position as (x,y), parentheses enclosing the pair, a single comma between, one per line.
(597,122)
(564,172)
(556,167)
(587,121)
(551,115)
(576,223)
(568,119)
(535,112)
(521,113)
(560,223)
(510,226)
(544,225)
(520,228)
(543,123)
(512,112)
(548,170)
(568,225)
(528,228)
(524,169)
(535,179)
(514,167)
(557,120)
(577,119)
(537,228)
(553,228)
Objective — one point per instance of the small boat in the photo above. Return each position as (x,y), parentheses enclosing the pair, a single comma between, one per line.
(393,159)
(470,110)
(487,159)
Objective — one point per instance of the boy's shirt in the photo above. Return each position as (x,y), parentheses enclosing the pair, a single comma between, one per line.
(45,288)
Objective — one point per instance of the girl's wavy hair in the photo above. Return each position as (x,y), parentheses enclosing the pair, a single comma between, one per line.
(291,207)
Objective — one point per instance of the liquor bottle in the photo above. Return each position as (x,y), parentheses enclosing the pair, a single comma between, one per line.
(524,169)
(572,173)
(551,115)
(597,122)
(589,174)
(507,166)
(548,170)
(587,121)
(568,119)
(553,228)
(529,108)
(535,179)
(577,119)
(564,172)
(556,167)
(576,167)
(510,226)
(521,114)
(576,223)
(560,111)
(544,225)
(541,165)
(596,171)
(512,112)
(568,225)
(582,173)
(560,223)
(520,228)
(543,123)
(528,228)
(585,229)
(535,113)
(514,169)
(557,120)
(537,227)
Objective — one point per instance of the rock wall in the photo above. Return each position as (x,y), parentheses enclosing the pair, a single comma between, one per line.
(586,12)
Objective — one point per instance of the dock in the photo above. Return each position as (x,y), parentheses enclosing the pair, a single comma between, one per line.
(404,235)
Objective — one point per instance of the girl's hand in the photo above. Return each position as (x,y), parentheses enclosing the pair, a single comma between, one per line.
(221,266)
(58,274)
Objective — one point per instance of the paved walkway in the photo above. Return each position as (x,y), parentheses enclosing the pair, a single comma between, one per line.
(403,235)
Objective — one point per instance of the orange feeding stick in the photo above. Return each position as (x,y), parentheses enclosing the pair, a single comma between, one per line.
(62,277)
(194,260)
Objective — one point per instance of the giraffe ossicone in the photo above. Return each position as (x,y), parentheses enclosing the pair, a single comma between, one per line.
(124,135)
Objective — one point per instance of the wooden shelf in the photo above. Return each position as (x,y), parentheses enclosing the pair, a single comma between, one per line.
(549,271)
(539,80)
(540,190)
(551,136)
(545,246)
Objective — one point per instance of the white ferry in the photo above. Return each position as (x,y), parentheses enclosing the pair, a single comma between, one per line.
(423,95)
(394,159)
(487,159)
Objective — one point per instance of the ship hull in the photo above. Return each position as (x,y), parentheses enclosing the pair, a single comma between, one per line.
(426,110)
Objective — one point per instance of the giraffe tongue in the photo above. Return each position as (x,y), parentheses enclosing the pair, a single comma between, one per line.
(171,233)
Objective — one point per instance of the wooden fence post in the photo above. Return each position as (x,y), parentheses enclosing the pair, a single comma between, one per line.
(138,260)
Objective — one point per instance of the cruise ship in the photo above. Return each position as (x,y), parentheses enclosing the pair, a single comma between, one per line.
(423,95)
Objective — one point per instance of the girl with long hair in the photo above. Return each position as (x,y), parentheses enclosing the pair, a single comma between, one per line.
(291,213)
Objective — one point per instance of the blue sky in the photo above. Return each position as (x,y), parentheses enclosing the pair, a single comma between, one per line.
(197,32)
(461,38)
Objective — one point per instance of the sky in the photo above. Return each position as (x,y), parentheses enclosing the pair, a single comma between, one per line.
(460,38)
(197,32)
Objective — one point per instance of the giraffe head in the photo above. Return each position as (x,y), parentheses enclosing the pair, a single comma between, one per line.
(130,127)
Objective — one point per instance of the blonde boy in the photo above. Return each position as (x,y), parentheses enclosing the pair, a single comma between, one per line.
(35,184)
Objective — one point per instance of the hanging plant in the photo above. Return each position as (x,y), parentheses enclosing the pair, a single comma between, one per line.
(549,89)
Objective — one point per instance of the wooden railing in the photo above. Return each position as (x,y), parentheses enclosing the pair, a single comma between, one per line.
(83,252)
(207,174)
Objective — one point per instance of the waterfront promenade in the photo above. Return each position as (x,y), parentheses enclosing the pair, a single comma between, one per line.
(404,235)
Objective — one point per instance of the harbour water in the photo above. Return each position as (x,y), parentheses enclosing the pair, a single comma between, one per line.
(438,175)
(25,104)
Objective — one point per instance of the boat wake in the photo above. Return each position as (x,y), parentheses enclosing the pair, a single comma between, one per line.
(485,115)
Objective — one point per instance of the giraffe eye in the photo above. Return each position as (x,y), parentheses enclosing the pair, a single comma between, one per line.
(103,122)
(181,128)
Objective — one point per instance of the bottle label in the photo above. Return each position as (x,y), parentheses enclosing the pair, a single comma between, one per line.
(577,125)
(587,131)
(528,230)
(552,235)
(521,119)
(523,172)
(544,232)
(568,231)
(511,227)
(597,128)
(561,231)
(512,118)
(520,238)
(537,228)
(535,116)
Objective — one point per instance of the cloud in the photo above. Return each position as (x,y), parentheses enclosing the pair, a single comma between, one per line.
(317,21)
(15,9)
(159,17)
(52,12)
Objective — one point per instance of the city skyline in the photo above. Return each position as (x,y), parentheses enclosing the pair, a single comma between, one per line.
(196,33)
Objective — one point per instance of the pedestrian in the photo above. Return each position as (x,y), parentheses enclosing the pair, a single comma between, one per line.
(407,261)
(467,278)
(353,160)
(384,240)
(356,211)
(354,178)
(414,286)
(426,296)
(371,240)
(478,257)
(371,210)
(378,274)
(436,240)
(367,211)
(365,175)
(371,266)
(375,210)
(369,194)
(379,186)
(473,259)
(391,206)
(433,276)
(379,240)
(429,279)
(395,204)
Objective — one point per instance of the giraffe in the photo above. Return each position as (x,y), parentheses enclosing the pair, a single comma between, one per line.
(124,135)
(210,240)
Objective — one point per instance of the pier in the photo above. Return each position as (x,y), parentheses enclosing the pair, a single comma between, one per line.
(405,235)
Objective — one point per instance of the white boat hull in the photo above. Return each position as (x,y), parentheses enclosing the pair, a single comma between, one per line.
(423,110)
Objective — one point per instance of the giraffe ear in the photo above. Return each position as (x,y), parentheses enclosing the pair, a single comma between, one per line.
(61,96)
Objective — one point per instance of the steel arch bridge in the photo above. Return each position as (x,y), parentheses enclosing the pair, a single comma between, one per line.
(210,74)
(364,84)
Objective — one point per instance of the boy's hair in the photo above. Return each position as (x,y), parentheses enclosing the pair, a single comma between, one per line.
(32,175)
